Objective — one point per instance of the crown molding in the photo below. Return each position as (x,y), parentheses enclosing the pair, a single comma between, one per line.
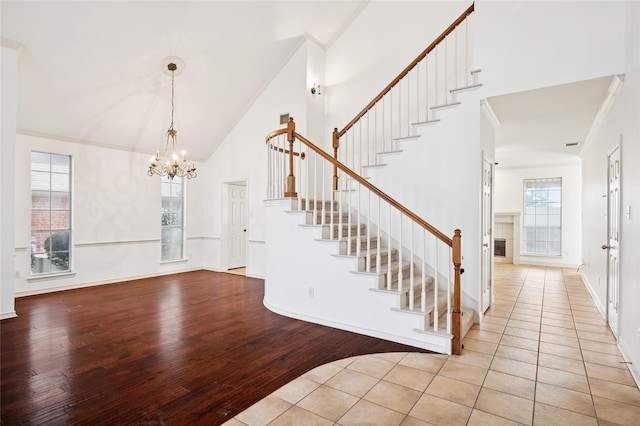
(11,44)
(613,91)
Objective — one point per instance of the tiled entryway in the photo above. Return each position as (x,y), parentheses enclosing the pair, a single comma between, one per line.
(542,356)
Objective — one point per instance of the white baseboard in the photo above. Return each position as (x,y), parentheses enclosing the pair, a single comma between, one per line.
(97,283)
(7,315)
(634,364)
(438,345)
(587,284)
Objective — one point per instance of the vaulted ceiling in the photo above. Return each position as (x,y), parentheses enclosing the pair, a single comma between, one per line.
(94,71)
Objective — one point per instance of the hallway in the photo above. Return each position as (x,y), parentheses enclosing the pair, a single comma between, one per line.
(543,356)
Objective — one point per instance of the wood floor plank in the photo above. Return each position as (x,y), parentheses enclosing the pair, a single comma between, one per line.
(191,348)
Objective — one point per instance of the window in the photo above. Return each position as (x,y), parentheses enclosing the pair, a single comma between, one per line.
(542,216)
(50,213)
(172,219)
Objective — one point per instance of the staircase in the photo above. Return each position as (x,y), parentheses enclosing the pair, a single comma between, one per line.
(393,275)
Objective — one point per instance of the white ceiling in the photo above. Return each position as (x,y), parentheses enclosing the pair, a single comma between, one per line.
(535,125)
(92,71)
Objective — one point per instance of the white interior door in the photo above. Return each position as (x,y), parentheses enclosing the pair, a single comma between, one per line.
(237,226)
(613,245)
(487,234)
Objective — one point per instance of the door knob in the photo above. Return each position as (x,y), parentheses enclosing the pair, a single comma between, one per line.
(245,230)
(605,247)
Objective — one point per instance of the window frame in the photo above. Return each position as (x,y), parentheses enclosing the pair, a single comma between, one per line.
(49,215)
(164,247)
(545,215)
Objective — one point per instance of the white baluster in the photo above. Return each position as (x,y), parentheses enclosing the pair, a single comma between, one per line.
(436,278)
(400,274)
(411,262)
(348,210)
(369,214)
(378,242)
(466,51)
(449,284)
(389,252)
(423,289)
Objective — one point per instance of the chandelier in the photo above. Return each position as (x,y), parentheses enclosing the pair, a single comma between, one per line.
(172,164)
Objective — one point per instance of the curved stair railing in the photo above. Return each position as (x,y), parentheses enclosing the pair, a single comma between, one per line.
(428,84)
(409,256)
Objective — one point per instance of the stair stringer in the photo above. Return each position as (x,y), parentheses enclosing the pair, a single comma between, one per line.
(304,281)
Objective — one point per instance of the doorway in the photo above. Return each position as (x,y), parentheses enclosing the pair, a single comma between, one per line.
(487,234)
(237,225)
(612,247)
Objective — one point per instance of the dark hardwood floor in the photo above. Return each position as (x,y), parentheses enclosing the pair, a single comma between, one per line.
(191,348)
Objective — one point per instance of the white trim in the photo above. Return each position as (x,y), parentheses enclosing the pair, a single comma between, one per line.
(97,283)
(632,362)
(438,343)
(612,93)
(7,315)
(45,277)
(491,114)
(116,243)
(11,44)
(259,277)
(168,262)
(596,301)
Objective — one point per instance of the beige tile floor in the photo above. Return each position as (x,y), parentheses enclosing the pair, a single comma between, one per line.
(542,356)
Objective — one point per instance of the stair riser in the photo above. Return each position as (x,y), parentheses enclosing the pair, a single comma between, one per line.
(327,218)
(363,246)
(406,270)
(384,260)
(328,205)
(327,234)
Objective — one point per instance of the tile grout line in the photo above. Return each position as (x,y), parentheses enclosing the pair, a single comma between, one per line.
(580,347)
(535,383)
(496,350)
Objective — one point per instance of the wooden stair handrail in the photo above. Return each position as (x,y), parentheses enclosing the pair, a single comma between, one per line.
(409,67)
(455,243)
(434,231)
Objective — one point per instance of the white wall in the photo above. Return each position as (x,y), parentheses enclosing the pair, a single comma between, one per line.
(629,335)
(438,177)
(508,198)
(242,157)
(384,38)
(8,108)
(116,220)
(524,45)
(621,123)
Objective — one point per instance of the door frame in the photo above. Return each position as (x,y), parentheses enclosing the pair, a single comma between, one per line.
(615,330)
(482,304)
(226,222)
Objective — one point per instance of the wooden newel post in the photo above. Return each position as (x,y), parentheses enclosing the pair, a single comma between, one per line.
(291,179)
(456,319)
(336,145)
